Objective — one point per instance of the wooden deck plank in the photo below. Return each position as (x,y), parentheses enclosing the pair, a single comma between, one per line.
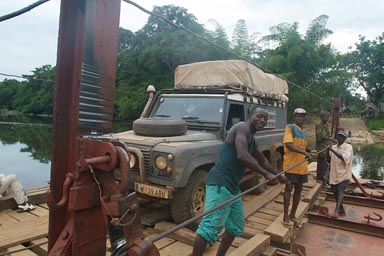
(250,232)
(253,246)
(311,196)
(278,232)
(40,246)
(21,251)
(274,206)
(22,216)
(256,225)
(212,250)
(5,219)
(264,216)
(253,205)
(164,242)
(183,235)
(270,211)
(23,231)
(259,220)
(177,248)
(40,211)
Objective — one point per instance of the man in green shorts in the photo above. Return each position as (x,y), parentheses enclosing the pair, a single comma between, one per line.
(295,151)
(223,183)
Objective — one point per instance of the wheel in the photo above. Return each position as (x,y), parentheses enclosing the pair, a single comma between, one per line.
(161,127)
(253,181)
(277,163)
(189,201)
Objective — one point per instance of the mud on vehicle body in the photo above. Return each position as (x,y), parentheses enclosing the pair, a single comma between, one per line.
(179,137)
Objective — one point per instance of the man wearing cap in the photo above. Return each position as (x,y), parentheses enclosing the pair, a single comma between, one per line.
(323,137)
(341,170)
(295,155)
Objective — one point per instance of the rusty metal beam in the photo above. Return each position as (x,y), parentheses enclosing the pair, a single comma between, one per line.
(86,57)
(346,225)
(335,116)
(357,200)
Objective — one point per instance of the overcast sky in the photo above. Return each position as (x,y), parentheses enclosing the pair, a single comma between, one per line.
(30,40)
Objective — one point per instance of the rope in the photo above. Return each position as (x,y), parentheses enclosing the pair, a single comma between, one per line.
(22,11)
(118,222)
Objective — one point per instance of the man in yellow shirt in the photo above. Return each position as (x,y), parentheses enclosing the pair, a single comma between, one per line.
(295,153)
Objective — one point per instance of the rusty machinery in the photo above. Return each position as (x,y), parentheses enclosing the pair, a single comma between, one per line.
(88,195)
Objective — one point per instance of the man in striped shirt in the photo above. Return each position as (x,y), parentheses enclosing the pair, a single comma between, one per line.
(295,153)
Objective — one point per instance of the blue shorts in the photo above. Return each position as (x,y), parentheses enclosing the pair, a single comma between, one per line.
(230,217)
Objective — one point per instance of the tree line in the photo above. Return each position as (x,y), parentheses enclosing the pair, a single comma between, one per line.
(315,71)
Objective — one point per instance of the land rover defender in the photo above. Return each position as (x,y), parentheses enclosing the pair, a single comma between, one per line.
(177,140)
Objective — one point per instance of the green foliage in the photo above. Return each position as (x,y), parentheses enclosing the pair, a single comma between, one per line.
(375,123)
(312,68)
(34,96)
(315,72)
(366,64)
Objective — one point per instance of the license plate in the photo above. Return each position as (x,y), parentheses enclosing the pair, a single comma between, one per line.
(151,190)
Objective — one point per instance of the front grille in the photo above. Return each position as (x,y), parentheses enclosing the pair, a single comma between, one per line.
(147,163)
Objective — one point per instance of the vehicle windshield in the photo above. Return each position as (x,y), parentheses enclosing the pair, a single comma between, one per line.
(190,108)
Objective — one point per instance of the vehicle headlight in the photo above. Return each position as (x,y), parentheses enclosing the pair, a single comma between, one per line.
(132,160)
(160,162)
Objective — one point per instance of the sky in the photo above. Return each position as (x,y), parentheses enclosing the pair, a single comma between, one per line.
(29,41)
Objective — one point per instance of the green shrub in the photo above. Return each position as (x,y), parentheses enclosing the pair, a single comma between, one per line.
(375,123)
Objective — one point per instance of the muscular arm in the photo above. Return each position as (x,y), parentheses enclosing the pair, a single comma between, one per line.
(241,144)
(263,162)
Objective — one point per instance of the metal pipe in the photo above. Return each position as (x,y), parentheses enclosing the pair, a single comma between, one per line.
(95,161)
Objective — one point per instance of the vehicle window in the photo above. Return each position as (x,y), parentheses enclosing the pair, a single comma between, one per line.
(190,108)
(235,115)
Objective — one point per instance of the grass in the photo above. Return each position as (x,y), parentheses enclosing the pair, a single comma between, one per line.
(375,123)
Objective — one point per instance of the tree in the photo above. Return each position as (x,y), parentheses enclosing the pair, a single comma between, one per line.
(310,66)
(151,55)
(366,64)
(242,43)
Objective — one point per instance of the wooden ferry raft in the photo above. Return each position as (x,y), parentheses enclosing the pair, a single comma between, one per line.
(26,233)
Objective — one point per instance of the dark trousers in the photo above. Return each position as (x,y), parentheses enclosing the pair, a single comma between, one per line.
(337,190)
(322,167)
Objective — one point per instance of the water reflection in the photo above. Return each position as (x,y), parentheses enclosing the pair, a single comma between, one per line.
(368,161)
(25,149)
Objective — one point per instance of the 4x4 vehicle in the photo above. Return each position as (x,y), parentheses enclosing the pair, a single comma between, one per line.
(178,138)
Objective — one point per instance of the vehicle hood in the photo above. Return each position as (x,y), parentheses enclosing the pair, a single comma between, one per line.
(130,137)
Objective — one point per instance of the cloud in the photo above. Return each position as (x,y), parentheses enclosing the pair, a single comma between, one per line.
(30,40)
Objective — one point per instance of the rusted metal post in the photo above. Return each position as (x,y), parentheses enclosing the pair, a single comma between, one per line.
(335,116)
(86,60)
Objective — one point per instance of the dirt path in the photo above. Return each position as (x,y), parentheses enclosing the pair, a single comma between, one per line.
(356,126)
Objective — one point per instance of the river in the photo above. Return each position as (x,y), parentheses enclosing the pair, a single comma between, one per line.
(25,150)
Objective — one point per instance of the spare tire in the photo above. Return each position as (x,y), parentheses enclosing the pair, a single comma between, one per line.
(159,126)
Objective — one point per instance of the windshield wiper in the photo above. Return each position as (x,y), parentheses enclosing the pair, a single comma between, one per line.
(190,118)
(162,116)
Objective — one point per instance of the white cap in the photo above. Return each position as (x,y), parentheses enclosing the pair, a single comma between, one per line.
(299,111)
(343,133)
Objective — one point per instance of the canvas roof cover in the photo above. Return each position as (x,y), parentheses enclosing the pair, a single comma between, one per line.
(230,74)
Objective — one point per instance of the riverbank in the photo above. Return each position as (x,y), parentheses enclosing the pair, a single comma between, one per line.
(353,126)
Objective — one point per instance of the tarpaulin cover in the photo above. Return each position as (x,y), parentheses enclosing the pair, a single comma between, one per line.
(231,74)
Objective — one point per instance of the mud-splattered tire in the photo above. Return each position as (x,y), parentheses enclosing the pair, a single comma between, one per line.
(161,127)
(257,179)
(189,201)
(277,163)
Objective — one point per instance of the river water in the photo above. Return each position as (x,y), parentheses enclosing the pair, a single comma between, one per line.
(25,150)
